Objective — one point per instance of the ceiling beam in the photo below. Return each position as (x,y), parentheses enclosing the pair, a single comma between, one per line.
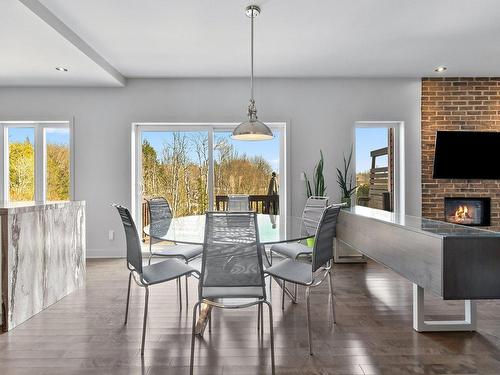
(50,19)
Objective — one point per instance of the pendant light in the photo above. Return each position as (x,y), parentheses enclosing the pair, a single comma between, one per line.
(253,129)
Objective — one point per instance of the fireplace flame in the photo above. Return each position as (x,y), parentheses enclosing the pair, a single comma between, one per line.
(462,214)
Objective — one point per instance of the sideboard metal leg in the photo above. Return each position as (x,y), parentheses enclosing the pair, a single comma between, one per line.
(346,258)
(421,325)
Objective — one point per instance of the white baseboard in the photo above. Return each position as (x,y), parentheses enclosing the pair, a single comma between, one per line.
(104,253)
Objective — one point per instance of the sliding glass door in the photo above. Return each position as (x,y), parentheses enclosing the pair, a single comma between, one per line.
(196,166)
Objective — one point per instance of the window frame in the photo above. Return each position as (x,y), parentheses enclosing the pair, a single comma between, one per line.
(39,144)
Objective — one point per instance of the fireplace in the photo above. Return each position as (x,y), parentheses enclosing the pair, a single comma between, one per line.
(467,211)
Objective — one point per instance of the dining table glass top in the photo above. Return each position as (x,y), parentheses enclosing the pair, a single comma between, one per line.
(191,229)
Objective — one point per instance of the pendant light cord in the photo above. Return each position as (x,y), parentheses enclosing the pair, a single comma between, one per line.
(251,56)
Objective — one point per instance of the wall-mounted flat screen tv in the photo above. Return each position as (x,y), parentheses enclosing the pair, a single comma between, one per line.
(467,155)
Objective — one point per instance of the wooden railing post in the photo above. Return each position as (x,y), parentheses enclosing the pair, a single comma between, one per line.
(145,218)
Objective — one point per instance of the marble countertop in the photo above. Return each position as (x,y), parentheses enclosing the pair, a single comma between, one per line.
(19,207)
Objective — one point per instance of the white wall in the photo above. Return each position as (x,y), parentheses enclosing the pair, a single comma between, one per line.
(320,114)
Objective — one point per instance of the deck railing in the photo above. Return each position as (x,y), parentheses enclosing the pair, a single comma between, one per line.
(261,204)
(380,182)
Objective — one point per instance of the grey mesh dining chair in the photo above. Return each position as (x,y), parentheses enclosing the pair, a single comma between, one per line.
(238,203)
(145,276)
(311,216)
(232,274)
(312,274)
(160,216)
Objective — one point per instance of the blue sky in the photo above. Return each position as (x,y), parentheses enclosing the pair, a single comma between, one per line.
(57,136)
(369,139)
(53,135)
(20,134)
(269,150)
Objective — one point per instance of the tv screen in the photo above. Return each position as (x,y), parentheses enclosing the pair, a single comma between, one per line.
(467,155)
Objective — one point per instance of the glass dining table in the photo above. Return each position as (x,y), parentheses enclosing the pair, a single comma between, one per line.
(191,230)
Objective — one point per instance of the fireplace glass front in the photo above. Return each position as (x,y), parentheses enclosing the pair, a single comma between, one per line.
(467,211)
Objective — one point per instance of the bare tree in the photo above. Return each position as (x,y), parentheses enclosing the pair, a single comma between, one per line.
(200,143)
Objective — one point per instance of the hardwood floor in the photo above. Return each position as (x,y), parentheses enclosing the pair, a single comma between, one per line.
(84,333)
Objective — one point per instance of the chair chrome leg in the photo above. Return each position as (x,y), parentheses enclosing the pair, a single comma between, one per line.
(150,252)
(330,279)
(259,306)
(210,321)
(271,332)
(295,293)
(179,291)
(145,320)
(128,296)
(261,320)
(187,299)
(283,295)
(193,333)
(308,309)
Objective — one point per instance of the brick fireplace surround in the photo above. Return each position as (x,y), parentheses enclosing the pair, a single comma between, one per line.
(458,104)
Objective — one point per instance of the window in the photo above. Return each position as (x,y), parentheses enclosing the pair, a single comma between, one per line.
(37,161)
(21,163)
(196,166)
(57,164)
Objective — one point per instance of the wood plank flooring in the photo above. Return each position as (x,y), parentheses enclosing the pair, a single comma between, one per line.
(84,333)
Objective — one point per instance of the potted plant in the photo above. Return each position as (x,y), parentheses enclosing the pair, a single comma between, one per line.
(344,179)
(319,186)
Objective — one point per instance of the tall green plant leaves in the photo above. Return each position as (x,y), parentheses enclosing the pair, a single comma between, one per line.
(308,186)
(342,178)
(318,179)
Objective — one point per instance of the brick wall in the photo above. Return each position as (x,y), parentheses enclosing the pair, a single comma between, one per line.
(457,104)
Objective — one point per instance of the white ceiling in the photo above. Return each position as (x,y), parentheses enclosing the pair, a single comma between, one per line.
(203,38)
(30,50)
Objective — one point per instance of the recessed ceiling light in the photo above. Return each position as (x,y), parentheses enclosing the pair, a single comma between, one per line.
(440,69)
(61,69)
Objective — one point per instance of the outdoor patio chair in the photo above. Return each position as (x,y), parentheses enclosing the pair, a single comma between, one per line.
(238,203)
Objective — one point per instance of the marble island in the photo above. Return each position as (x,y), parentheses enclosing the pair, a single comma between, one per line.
(42,256)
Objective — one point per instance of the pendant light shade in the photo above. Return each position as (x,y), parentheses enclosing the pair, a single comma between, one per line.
(253,129)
